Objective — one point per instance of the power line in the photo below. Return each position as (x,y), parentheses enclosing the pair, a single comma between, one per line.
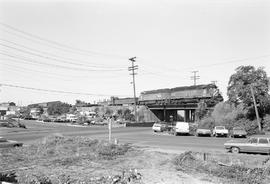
(214,64)
(195,77)
(50,58)
(60,44)
(54,65)
(23,69)
(57,56)
(21,72)
(55,91)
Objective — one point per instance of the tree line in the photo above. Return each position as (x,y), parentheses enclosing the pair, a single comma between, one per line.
(239,109)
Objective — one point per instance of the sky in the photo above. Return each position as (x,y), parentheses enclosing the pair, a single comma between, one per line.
(83,47)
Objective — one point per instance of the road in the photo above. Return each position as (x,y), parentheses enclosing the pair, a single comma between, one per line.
(141,136)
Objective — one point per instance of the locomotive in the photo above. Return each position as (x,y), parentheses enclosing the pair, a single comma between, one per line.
(206,92)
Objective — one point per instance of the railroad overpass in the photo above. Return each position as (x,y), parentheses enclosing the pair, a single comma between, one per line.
(180,104)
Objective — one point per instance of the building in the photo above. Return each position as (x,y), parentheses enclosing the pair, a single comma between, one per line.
(35,108)
(8,108)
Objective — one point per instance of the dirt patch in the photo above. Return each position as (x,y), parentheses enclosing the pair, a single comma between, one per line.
(57,159)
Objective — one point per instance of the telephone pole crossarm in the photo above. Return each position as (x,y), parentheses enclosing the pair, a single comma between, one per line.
(195,77)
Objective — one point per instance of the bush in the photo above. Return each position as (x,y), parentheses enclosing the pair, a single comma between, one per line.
(207,122)
(266,123)
(46,161)
(190,162)
(251,126)
(110,151)
(226,114)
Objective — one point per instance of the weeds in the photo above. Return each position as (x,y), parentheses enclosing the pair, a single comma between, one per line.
(189,161)
(43,161)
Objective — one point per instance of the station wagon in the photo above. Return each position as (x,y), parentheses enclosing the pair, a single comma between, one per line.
(250,145)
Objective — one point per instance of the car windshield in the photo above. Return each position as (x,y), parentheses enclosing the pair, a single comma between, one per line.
(220,127)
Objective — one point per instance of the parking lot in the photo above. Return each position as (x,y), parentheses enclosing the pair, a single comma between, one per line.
(142,136)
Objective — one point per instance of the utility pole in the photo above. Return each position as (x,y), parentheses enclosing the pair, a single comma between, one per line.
(256,110)
(132,69)
(195,77)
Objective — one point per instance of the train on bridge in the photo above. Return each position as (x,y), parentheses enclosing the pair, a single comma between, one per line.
(181,95)
(165,103)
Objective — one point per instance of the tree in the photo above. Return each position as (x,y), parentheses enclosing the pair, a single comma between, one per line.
(201,110)
(24,111)
(127,115)
(73,109)
(12,104)
(239,89)
(108,112)
(227,114)
(58,108)
(80,103)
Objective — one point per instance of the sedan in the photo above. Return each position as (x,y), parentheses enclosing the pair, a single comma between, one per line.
(159,127)
(4,143)
(251,145)
(238,132)
(203,132)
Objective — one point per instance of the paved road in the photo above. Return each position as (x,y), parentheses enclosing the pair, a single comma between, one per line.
(140,136)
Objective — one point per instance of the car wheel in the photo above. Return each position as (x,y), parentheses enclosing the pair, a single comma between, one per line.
(235,150)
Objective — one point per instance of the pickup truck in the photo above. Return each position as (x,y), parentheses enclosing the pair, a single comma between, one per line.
(220,131)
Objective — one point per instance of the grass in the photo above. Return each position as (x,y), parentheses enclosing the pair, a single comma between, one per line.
(247,169)
(58,159)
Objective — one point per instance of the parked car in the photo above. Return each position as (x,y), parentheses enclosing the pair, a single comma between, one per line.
(4,143)
(220,131)
(159,127)
(181,128)
(203,132)
(252,145)
(238,132)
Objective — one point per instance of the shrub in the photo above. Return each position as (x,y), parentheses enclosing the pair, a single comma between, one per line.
(110,151)
(226,114)
(201,110)
(207,122)
(266,122)
(251,126)
(189,161)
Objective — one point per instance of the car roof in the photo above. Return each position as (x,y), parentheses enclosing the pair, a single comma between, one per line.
(260,136)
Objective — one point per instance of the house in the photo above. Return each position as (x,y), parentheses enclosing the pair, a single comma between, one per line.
(71,117)
(35,112)
(86,111)
(8,108)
